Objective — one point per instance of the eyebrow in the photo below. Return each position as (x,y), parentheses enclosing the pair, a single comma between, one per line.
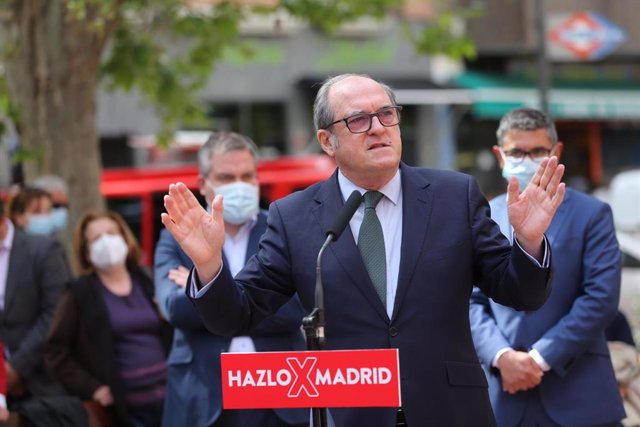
(365,112)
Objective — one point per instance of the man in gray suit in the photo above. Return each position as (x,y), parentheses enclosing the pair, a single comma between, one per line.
(32,275)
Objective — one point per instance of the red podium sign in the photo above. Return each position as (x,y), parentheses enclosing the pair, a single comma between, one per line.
(311,379)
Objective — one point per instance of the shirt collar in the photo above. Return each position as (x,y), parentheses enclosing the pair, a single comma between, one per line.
(244,228)
(8,239)
(391,189)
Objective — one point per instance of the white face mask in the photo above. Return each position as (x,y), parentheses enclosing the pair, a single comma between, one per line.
(523,171)
(109,251)
(240,201)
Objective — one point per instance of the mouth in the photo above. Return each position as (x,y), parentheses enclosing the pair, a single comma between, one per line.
(378,145)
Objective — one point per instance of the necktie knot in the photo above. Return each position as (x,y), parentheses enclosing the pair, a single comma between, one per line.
(371,199)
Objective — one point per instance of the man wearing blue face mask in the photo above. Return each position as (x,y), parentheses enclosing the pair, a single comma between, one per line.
(227,163)
(57,189)
(551,367)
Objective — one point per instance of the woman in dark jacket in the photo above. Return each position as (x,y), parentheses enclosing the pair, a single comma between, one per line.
(107,342)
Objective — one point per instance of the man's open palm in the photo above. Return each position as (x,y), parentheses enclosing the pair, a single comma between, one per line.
(531,211)
(200,234)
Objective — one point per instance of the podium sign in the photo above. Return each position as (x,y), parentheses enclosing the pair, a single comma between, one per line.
(311,379)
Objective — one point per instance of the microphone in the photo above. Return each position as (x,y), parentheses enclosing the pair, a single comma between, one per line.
(336,229)
(350,207)
(313,323)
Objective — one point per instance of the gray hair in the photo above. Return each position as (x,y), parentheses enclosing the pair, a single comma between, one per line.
(51,184)
(322,111)
(223,142)
(527,119)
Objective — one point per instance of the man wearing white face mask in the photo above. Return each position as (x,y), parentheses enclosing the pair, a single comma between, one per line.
(551,367)
(227,163)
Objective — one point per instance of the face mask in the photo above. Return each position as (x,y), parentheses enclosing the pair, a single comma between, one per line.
(240,202)
(59,218)
(523,171)
(109,251)
(39,224)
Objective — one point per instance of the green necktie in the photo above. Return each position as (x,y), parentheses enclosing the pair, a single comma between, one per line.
(371,245)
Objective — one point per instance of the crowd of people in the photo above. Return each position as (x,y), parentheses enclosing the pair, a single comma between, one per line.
(91,338)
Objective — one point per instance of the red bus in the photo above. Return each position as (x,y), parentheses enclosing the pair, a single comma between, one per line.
(137,192)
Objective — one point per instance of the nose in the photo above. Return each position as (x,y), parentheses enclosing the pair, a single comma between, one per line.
(376,125)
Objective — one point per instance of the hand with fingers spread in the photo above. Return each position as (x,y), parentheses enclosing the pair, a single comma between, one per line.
(531,211)
(200,234)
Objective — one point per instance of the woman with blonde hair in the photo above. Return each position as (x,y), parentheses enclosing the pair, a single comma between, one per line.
(107,342)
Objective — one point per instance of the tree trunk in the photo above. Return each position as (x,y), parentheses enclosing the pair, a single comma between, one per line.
(52,74)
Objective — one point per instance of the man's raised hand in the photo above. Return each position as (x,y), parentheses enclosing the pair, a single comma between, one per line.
(531,211)
(200,234)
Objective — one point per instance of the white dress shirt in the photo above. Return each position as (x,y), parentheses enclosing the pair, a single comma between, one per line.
(235,251)
(389,212)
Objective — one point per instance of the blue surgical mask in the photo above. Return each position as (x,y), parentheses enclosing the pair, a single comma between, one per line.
(240,201)
(39,224)
(522,170)
(59,218)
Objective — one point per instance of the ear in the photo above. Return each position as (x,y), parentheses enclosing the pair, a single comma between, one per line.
(496,152)
(324,139)
(557,149)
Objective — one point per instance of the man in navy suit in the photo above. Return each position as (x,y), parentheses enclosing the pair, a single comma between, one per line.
(551,367)
(438,241)
(227,163)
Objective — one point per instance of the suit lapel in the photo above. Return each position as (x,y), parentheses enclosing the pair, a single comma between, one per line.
(417,202)
(558,219)
(256,233)
(344,250)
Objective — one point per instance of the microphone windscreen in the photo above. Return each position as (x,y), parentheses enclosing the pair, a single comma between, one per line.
(344,216)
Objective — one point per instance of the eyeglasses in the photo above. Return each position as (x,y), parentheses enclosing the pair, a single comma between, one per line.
(361,122)
(518,155)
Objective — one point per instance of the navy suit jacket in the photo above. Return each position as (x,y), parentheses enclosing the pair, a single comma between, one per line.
(449,243)
(568,331)
(193,396)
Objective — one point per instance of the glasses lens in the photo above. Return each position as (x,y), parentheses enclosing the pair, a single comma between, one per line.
(516,154)
(536,153)
(389,116)
(359,123)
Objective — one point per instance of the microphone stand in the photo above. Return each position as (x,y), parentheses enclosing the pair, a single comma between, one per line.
(313,325)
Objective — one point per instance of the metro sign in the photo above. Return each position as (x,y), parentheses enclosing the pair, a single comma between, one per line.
(311,379)
(588,35)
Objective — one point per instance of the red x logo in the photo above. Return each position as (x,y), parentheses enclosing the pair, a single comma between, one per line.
(301,372)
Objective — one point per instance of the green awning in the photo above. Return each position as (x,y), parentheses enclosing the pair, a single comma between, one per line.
(493,96)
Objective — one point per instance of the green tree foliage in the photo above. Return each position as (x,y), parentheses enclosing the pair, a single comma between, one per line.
(167,51)
(55,53)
